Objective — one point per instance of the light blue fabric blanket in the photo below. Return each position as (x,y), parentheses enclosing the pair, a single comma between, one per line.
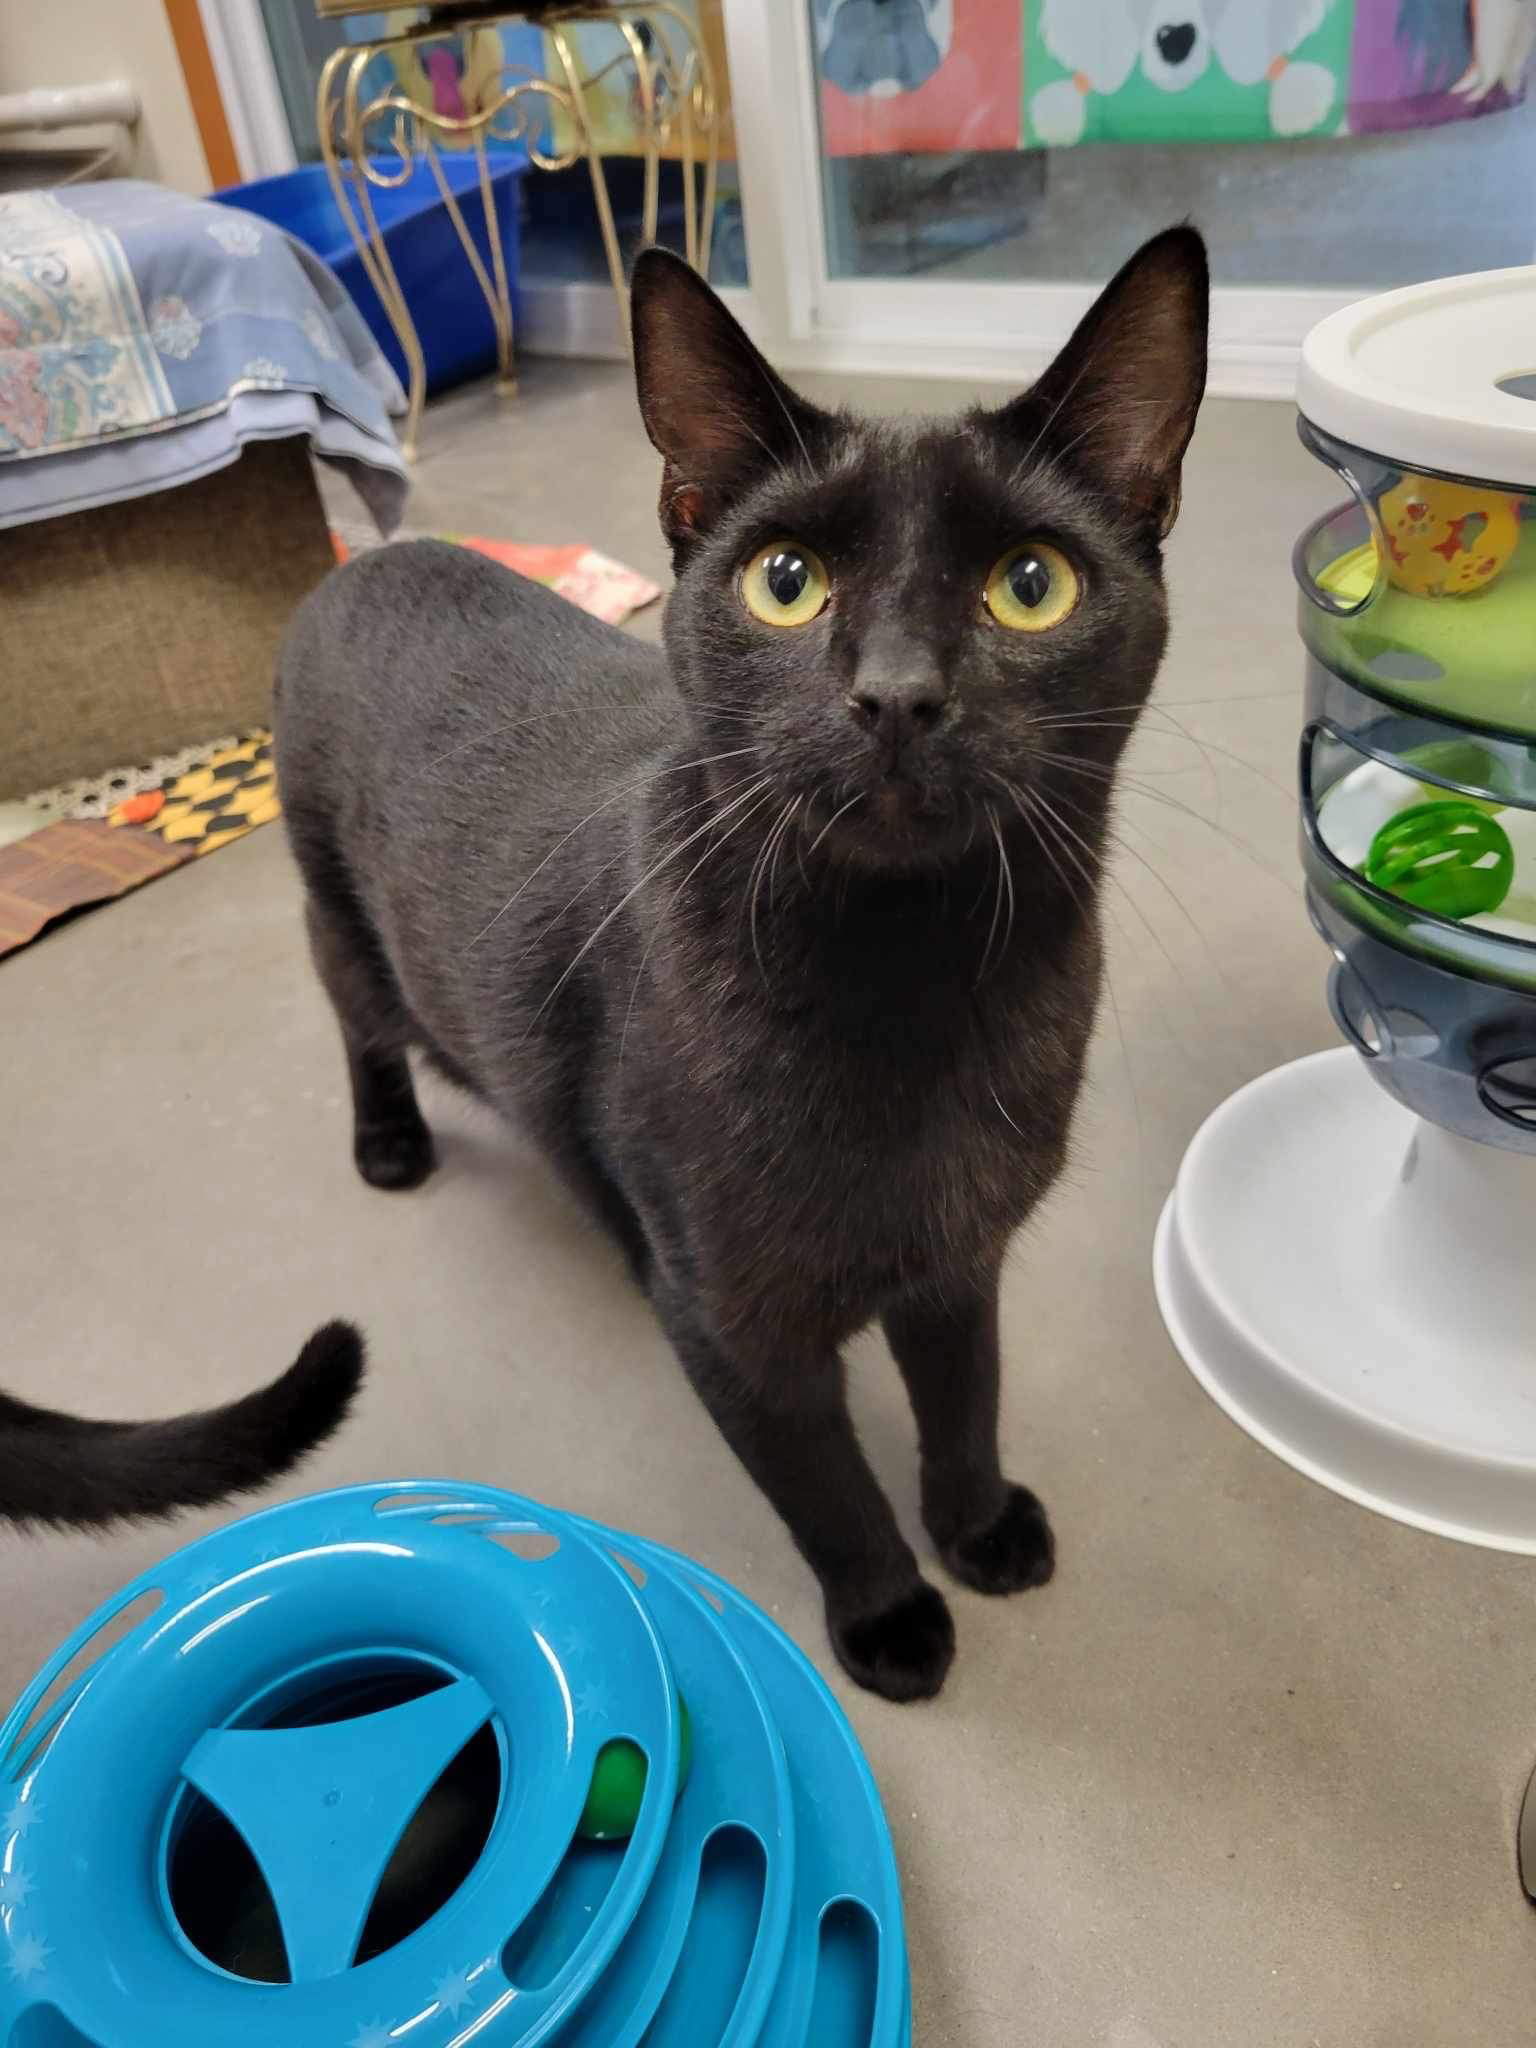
(145,337)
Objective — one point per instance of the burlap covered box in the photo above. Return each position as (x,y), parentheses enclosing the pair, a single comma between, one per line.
(138,628)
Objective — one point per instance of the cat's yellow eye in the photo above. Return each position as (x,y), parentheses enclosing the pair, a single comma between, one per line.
(784,584)
(1033,588)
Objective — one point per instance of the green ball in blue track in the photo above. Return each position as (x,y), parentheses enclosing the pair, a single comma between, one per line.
(618,1784)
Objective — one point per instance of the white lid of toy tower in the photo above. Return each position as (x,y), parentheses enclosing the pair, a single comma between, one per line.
(1438,376)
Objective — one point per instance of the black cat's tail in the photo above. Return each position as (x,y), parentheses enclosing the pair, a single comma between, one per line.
(57,1468)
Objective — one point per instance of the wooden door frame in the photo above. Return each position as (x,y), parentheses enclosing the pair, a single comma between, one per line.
(208,110)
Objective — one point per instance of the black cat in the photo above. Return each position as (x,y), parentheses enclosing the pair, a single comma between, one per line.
(783,941)
(57,1468)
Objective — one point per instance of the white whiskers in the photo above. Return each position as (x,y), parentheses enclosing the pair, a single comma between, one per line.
(756,789)
(628,789)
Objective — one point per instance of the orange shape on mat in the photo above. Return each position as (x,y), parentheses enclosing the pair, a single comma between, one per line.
(138,810)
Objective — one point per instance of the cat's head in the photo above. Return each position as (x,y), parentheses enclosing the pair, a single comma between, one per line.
(924,628)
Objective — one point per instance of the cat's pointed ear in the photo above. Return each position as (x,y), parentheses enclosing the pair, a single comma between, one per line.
(716,411)
(1119,402)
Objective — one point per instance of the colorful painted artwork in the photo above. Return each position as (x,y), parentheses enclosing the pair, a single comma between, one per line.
(1184,70)
(465,69)
(1421,62)
(918,75)
(613,95)
(914,76)
(457,75)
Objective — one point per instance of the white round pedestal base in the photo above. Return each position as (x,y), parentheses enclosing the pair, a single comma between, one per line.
(1357,1289)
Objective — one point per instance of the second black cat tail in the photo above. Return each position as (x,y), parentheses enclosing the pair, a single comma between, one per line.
(63,1470)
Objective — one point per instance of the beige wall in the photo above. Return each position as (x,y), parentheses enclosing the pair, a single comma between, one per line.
(83,42)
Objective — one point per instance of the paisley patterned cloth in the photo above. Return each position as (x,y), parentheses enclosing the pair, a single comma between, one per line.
(144,337)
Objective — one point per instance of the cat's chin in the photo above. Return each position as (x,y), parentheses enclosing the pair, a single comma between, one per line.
(895,827)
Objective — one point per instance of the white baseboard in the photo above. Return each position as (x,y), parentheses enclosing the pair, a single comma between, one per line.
(1254,350)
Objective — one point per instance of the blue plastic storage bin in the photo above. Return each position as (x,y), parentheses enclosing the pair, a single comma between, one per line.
(458,335)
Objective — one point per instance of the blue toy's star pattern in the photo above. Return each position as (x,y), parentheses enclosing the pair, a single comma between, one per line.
(577,1647)
(594,1701)
(22,1816)
(374,2035)
(206,1581)
(15,1888)
(29,1958)
(453,1992)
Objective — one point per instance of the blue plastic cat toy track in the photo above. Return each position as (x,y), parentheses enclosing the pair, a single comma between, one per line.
(334,1788)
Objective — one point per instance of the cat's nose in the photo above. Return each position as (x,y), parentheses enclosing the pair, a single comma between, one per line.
(898,700)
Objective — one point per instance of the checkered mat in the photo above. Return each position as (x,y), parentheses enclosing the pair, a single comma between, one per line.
(74,861)
(209,805)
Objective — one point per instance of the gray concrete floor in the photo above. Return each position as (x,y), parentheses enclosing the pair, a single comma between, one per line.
(1248,1771)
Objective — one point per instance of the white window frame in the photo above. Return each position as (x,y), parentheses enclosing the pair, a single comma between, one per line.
(253,100)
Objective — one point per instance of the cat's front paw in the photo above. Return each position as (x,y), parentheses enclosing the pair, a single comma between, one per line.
(904,1651)
(394,1156)
(1013,1551)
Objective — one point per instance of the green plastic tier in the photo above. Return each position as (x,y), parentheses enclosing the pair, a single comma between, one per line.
(1459,948)
(1468,659)
(1450,880)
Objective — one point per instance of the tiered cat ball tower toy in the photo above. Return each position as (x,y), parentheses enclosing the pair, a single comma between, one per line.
(423,1766)
(1348,1260)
